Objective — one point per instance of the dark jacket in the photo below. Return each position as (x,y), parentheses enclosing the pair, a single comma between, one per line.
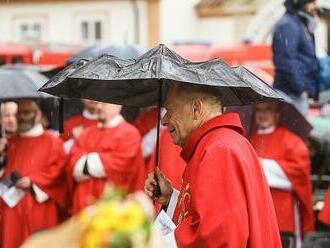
(296,66)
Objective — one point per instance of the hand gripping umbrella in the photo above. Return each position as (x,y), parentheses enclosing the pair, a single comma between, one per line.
(144,81)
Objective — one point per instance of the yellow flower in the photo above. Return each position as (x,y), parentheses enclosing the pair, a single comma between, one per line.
(91,239)
(131,217)
(106,217)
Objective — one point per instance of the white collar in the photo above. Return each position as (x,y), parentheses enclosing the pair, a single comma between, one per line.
(267,130)
(33,132)
(114,122)
(88,115)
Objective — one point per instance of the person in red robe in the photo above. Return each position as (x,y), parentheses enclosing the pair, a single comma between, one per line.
(37,157)
(224,200)
(75,125)
(107,153)
(285,160)
(324,215)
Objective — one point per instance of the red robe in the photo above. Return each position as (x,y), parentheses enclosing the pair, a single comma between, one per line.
(170,162)
(146,121)
(225,200)
(120,153)
(42,159)
(75,121)
(291,153)
(324,214)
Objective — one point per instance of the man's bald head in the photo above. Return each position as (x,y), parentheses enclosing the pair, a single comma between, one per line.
(188,92)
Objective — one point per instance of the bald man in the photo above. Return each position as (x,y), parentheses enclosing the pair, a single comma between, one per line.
(35,166)
(224,200)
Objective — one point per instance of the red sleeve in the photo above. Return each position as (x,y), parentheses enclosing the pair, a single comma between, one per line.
(123,164)
(296,166)
(51,178)
(78,150)
(218,202)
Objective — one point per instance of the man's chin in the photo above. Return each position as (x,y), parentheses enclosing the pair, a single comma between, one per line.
(24,129)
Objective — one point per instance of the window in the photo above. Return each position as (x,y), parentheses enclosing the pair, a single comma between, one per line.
(91,29)
(29,30)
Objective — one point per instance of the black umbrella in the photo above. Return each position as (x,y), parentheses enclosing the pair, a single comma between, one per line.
(142,82)
(137,82)
(289,114)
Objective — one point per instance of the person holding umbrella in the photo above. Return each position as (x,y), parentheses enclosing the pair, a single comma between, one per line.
(225,200)
(34,165)
(285,160)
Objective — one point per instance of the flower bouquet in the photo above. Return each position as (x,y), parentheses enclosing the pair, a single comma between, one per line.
(116,220)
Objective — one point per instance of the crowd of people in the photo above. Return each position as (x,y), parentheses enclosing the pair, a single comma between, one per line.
(57,180)
(222,187)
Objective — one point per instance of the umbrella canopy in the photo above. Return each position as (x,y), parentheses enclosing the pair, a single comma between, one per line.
(138,82)
(289,115)
(21,83)
(123,51)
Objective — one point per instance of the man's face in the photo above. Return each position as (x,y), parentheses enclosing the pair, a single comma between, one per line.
(311,8)
(178,118)
(266,115)
(106,111)
(90,105)
(26,115)
(9,121)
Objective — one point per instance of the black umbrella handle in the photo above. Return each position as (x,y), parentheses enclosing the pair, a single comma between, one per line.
(157,192)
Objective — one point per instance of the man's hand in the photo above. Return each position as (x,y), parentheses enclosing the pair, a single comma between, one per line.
(3,145)
(164,184)
(24,183)
(77,131)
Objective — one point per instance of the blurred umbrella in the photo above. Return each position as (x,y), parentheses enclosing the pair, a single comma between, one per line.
(142,82)
(289,115)
(21,83)
(122,51)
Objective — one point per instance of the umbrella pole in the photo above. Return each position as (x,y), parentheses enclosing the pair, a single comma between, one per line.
(157,191)
(3,131)
(61,116)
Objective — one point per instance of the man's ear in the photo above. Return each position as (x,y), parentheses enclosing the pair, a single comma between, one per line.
(197,106)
